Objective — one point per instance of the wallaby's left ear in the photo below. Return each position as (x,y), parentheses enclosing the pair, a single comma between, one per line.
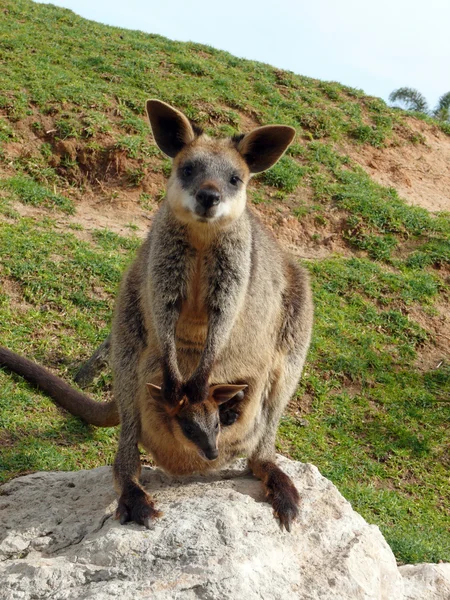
(171,129)
(223,393)
(262,147)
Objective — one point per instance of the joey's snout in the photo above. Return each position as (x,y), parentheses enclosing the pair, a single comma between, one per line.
(210,453)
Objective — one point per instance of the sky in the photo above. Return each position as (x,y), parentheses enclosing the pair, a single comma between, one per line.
(375,46)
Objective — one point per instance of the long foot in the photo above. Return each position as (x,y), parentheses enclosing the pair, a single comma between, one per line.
(280,491)
(283,496)
(136,505)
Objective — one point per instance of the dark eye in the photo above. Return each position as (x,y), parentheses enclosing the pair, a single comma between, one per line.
(234,180)
(187,170)
(217,426)
(188,429)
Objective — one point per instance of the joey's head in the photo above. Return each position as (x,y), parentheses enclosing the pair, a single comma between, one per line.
(198,425)
(210,175)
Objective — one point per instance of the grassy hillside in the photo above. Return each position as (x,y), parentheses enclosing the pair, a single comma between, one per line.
(372,409)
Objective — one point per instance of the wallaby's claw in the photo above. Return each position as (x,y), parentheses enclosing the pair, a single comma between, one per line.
(172,391)
(284,497)
(137,506)
(286,516)
(196,389)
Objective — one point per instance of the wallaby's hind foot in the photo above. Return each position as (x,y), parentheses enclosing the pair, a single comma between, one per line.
(280,490)
(136,505)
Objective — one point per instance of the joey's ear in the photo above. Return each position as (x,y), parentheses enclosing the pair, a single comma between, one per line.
(171,129)
(262,147)
(155,392)
(223,393)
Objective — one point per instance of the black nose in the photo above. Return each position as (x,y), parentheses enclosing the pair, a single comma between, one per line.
(211,453)
(207,197)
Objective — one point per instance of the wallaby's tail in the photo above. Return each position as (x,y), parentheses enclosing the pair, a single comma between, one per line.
(102,414)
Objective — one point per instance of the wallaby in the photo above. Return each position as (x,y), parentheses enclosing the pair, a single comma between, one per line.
(210,297)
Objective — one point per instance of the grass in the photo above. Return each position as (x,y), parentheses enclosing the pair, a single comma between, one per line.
(72,120)
(28,191)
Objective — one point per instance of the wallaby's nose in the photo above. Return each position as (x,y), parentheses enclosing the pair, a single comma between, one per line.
(207,197)
(211,453)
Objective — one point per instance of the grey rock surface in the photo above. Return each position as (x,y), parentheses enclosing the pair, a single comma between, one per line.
(431,582)
(217,539)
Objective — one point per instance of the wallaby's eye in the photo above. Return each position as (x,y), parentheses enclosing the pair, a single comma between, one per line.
(217,426)
(187,170)
(188,429)
(234,180)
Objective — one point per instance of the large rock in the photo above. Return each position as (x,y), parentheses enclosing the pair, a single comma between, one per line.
(431,582)
(216,540)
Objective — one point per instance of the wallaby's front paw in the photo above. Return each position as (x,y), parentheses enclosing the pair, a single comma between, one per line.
(196,389)
(172,390)
(284,497)
(137,506)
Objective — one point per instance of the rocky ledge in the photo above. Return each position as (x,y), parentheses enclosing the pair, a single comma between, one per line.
(217,539)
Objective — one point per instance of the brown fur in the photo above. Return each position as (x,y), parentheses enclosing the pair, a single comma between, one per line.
(217,301)
(102,414)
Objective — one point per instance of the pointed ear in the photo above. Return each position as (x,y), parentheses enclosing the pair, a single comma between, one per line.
(262,147)
(223,393)
(171,129)
(155,392)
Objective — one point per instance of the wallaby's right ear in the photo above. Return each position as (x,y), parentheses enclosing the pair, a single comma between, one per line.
(171,129)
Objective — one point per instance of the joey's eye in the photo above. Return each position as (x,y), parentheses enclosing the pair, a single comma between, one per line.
(188,429)
(234,180)
(187,170)
(217,426)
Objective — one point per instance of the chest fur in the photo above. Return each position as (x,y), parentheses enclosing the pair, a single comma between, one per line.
(192,324)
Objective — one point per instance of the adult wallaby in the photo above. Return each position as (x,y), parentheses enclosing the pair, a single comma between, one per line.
(210,297)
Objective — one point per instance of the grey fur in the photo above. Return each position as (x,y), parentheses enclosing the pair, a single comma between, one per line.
(259,319)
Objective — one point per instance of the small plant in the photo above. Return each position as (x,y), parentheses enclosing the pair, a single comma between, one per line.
(135,176)
(67,127)
(286,174)
(145,201)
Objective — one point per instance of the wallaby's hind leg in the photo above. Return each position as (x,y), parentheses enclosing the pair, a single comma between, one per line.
(134,502)
(280,490)
(128,344)
(95,365)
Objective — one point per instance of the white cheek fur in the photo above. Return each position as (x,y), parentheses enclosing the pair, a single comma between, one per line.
(184,204)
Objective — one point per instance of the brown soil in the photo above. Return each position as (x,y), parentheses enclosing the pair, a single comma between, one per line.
(420,173)
(436,352)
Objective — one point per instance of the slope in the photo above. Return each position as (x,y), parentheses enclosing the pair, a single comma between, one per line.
(81,179)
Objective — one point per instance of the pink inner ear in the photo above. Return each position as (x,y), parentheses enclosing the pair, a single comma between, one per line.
(223,393)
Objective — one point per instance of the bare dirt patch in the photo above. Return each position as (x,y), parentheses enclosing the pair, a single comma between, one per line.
(122,215)
(437,351)
(304,236)
(420,173)
(13,290)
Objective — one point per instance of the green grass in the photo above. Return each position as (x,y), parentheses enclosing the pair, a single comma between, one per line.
(28,191)
(372,422)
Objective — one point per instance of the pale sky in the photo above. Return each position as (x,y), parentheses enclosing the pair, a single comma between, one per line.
(376,46)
